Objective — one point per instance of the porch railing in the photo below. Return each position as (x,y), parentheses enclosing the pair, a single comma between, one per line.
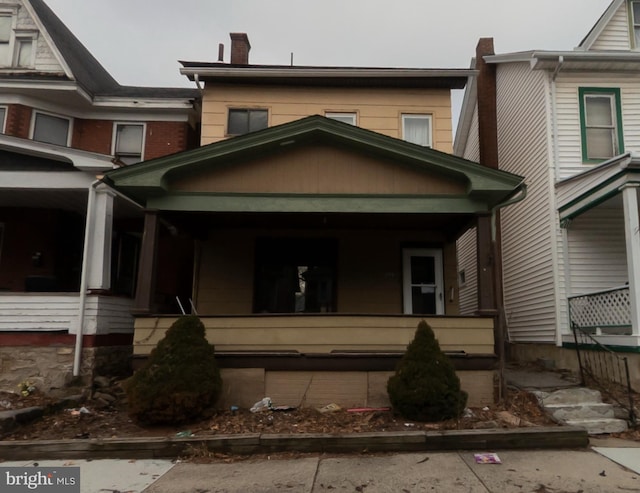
(604,369)
(602,312)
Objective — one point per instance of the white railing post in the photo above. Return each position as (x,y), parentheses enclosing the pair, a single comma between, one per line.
(632,235)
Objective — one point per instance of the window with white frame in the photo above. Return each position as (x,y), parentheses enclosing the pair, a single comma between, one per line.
(417,129)
(17,46)
(51,129)
(24,52)
(635,23)
(344,117)
(601,123)
(245,120)
(3,118)
(128,142)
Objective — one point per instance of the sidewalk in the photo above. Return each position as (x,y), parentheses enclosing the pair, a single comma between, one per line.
(446,472)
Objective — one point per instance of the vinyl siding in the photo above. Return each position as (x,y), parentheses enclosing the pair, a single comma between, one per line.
(569,139)
(45,61)
(597,249)
(467,262)
(466,244)
(528,256)
(616,35)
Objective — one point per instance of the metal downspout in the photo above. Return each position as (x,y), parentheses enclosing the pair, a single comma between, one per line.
(520,194)
(82,302)
(554,177)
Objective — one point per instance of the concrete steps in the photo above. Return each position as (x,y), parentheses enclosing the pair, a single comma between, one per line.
(581,407)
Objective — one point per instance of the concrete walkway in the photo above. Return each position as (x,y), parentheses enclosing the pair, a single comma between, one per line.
(446,472)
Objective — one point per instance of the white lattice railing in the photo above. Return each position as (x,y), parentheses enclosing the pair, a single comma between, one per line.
(607,311)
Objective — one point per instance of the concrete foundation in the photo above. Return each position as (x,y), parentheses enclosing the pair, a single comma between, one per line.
(244,387)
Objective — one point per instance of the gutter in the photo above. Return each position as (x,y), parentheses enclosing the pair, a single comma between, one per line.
(519,194)
(82,302)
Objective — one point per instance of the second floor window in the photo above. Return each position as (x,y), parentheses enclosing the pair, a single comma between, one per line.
(243,120)
(16,45)
(128,143)
(417,129)
(601,123)
(3,118)
(349,118)
(51,129)
(635,22)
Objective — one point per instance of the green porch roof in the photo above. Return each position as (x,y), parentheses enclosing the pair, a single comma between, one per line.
(148,183)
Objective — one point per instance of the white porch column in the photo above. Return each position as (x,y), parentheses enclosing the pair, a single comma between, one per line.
(632,235)
(99,275)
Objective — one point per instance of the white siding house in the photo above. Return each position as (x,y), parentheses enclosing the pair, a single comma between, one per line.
(569,122)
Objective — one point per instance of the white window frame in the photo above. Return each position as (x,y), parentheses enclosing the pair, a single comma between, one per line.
(418,116)
(635,25)
(19,37)
(114,138)
(3,124)
(54,115)
(12,12)
(342,116)
(407,254)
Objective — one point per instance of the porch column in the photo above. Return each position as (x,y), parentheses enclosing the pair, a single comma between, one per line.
(99,274)
(146,285)
(632,235)
(485,258)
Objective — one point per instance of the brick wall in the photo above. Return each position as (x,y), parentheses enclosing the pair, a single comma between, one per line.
(18,121)
(165,138)
(92,135)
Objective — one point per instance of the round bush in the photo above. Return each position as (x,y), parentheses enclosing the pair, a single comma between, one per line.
(180,381)
(425,386)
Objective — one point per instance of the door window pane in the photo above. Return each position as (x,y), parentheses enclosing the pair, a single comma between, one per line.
(422,270)
(51,129)
(423,300)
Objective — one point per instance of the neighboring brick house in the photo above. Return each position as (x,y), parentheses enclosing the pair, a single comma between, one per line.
(323,209)
(64,120)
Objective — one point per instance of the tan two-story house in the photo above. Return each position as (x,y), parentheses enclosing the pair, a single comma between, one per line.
(323,208)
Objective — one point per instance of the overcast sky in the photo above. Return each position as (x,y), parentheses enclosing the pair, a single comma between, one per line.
(140,41)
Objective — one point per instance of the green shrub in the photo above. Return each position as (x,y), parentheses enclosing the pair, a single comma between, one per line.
(180,381)
(425,386)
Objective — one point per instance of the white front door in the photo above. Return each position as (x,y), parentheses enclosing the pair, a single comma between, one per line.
(423,287)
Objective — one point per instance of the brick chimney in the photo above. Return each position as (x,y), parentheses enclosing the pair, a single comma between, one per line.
(240,47)
(487,113)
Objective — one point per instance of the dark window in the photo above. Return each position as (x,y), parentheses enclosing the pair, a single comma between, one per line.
(242,121)
(295,275)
